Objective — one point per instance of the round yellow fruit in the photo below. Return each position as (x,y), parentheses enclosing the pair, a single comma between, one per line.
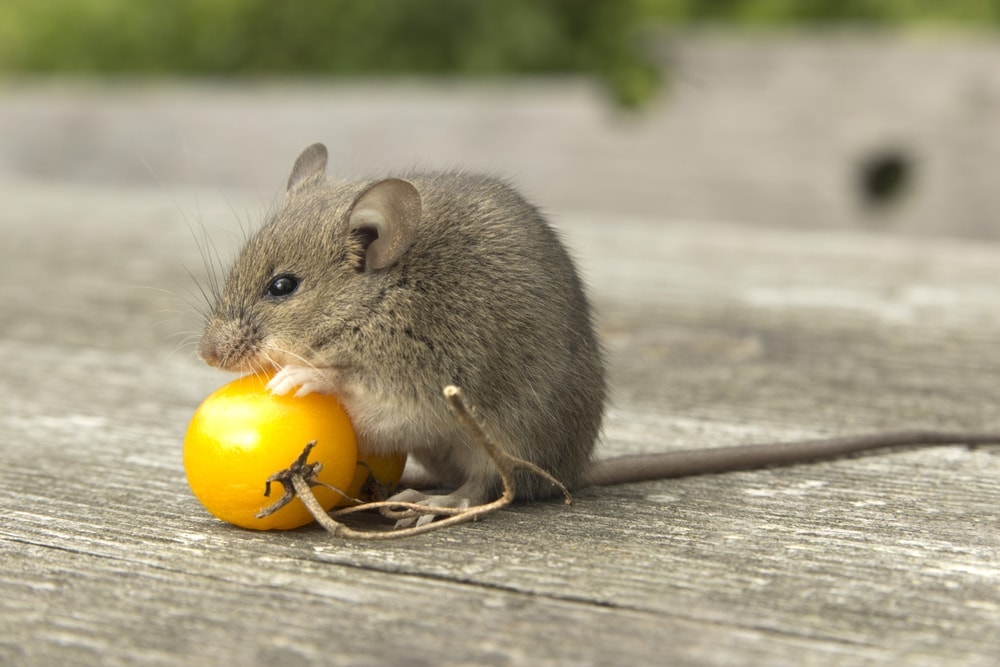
(242,434)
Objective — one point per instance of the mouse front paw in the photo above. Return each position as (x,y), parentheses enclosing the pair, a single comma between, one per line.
(303,379)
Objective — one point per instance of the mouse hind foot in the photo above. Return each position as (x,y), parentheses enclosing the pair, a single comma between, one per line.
(449,504)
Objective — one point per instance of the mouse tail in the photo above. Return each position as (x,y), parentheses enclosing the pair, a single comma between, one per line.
(690,462)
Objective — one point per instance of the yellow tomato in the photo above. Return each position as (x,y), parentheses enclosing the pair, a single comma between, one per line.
(242,434)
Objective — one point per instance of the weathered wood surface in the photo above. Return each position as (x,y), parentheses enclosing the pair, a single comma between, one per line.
(717,334)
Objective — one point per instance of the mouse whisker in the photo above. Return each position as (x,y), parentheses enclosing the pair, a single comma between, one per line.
(279,357)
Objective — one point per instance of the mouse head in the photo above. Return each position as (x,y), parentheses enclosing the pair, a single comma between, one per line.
(314,273)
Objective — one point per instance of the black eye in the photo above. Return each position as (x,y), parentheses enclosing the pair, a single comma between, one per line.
(282,285)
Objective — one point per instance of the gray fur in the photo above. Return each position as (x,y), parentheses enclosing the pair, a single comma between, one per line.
(481,294)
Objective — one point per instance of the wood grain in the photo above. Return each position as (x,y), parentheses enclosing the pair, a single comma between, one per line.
(716,335)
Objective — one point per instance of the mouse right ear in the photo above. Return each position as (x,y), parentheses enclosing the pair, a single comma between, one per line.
(384,218)
(309,169)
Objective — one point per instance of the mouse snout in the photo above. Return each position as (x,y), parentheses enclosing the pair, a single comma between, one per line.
(208,352)
(228,346)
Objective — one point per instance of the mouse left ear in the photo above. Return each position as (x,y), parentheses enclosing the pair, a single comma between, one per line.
(384,219)
(309,169)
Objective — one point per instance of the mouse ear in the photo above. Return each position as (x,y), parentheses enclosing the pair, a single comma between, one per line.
(309,169)
(385,217)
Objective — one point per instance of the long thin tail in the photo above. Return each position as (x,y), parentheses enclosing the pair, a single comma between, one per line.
(690,462)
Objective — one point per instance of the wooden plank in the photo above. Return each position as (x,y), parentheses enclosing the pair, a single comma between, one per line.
(716,334)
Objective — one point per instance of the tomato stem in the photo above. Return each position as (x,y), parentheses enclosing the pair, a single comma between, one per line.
(299,469)
(298,479)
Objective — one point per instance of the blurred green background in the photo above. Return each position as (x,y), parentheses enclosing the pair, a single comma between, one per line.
(608,39)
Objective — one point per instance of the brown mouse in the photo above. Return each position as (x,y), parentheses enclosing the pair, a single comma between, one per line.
(385,291)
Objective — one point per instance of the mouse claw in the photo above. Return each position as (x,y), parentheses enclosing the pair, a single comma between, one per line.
(304,380)
(280,384)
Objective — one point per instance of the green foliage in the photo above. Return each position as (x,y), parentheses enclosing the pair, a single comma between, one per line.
(979,13)
(365,37)
(331,37)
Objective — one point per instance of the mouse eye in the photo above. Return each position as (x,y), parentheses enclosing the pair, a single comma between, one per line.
(282,285)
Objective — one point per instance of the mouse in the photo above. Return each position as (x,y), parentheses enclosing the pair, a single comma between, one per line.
(383,291)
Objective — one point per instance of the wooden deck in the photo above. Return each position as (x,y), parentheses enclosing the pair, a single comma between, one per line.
(717,334)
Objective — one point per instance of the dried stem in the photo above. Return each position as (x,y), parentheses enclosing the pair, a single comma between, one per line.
(504,462)
(300,477)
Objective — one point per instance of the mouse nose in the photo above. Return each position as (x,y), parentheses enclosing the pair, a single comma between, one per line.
(229,345)
(208,352)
